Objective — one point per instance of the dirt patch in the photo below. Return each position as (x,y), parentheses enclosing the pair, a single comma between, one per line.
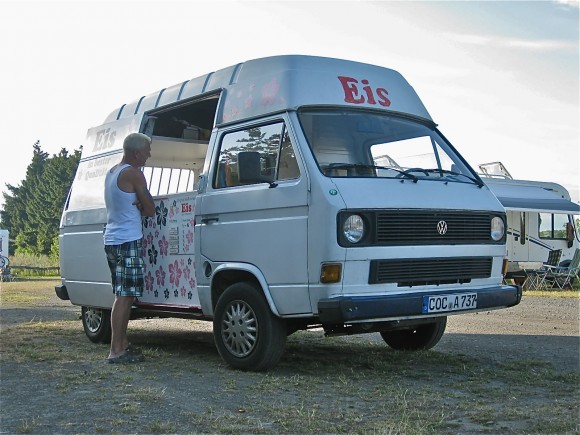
(507,371)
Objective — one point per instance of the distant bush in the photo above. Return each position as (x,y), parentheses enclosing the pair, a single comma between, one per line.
(37,261)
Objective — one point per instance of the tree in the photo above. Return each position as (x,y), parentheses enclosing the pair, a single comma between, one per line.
(32,211)
(15,217)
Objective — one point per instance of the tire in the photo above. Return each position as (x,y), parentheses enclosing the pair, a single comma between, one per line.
(247,335)
(97,324)
(421,337)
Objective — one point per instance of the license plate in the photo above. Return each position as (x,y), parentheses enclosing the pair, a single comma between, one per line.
(442,303)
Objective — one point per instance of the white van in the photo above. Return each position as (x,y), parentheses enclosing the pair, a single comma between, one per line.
(540,218)
(292,192)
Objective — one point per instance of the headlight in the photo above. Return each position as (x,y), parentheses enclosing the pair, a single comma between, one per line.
(497,228)
(353,228)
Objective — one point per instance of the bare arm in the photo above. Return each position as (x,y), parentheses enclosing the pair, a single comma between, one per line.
(144,199)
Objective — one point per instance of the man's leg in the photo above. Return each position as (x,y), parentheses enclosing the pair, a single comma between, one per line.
(120,314)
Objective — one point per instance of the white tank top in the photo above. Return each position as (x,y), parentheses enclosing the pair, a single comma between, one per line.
(123,218)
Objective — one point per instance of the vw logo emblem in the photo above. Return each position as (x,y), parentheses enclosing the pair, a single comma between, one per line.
(442,227)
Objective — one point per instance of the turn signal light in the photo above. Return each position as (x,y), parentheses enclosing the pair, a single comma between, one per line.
(504,268)
(330,273)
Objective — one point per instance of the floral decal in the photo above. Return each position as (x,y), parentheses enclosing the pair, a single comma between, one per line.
(152,252)
(161,214)
(169,275)
(163,245)
(174,273)
(160,275)
(149,281)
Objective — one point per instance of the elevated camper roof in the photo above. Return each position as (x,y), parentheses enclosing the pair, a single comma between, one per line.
(272,84)
(523,195)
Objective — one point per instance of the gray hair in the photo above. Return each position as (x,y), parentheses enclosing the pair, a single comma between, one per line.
(136,141)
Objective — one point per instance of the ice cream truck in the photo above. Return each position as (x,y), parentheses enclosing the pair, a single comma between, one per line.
(292,192)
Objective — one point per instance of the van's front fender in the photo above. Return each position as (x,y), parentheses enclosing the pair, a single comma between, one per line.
(225,274)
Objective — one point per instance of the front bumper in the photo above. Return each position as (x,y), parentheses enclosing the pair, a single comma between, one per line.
(349,309)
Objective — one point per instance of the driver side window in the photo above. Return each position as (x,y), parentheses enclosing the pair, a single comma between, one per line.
(265,150)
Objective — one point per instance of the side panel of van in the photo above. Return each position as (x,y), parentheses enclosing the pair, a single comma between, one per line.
(83,262)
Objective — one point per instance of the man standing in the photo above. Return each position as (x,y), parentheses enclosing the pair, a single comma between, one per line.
(126,199)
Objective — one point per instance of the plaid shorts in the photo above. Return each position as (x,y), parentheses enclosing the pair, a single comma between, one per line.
(126,264)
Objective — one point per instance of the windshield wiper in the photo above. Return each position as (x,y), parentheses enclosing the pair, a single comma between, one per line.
(332,166)
(446,172)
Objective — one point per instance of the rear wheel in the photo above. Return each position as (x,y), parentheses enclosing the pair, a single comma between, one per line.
(97,324)
(247,335)
(421,337)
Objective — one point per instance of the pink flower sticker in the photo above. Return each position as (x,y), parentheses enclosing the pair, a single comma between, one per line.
(160,274)
(174,273)
(163,246)
(149,281)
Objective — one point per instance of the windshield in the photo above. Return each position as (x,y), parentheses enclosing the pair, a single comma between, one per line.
(365,144)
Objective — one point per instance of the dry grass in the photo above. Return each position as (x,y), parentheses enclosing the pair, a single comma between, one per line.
(54,380)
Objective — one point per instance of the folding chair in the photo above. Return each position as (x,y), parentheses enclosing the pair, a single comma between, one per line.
(536,278)
(563,277)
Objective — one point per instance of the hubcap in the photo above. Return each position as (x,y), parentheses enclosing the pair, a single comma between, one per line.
(239,329)
(93,319)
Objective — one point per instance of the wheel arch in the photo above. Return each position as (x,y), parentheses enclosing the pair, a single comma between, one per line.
(229,273)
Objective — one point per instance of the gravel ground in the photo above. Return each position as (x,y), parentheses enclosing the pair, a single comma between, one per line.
(541,330)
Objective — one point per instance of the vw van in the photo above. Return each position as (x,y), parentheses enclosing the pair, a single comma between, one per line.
(292,192)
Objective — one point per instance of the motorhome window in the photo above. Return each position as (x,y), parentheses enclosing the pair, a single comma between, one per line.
(257,149)
(368,144)
(553,225)
(166,181)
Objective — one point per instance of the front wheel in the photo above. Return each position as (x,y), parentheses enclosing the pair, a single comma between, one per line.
(421,337)
(247,335)
(97,324)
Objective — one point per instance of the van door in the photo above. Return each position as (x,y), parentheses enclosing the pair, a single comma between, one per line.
(518,235)
(254,211)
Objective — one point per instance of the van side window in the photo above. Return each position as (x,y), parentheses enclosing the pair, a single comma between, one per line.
(165,181)
(260,154)
(553,226)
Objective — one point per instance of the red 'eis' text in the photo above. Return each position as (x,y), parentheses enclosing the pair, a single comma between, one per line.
(352,94)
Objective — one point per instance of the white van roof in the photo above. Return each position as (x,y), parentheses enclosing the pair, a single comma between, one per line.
(277,83)
(522,195)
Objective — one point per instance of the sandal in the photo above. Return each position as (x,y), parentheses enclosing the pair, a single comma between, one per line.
(126,358)
(133,349)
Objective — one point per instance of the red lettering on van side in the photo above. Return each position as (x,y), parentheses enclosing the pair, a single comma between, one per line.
(369,91)
(350,90)
(383,99)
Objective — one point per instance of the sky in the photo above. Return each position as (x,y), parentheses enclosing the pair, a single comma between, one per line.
(501,79)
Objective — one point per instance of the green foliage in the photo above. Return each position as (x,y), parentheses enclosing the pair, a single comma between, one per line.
(37,261)
(32,211)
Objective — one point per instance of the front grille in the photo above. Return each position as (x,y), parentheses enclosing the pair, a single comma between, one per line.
(409,272)
(415,227)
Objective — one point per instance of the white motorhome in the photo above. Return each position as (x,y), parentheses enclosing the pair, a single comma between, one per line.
(4,243)
(540,218)
(292,192)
